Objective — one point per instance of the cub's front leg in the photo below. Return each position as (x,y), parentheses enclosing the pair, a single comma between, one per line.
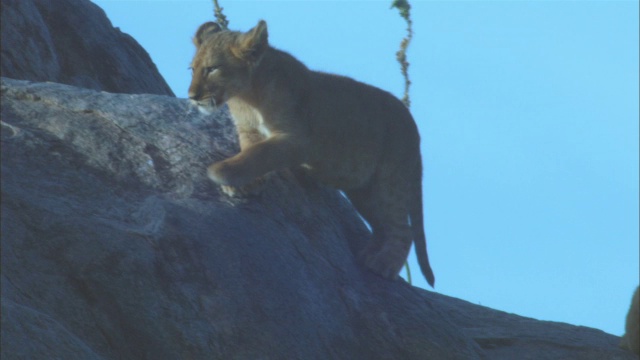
(275,153)
(248,135)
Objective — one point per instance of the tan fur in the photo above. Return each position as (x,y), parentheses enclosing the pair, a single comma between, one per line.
(631,338)
(344,133)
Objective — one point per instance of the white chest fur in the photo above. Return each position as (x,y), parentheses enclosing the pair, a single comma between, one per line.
(260,123)
(247,118)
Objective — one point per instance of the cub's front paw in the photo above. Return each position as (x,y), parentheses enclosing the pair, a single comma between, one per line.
(253,188)
(233,181)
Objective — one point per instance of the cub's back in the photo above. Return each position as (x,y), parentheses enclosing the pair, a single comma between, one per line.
(337,104)
(365,116)
(355,129)
(340,92)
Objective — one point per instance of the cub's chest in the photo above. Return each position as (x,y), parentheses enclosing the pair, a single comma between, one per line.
(248,118)
(262,127)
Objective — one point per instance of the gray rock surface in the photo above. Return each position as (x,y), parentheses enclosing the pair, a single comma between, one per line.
(116,246)
(73,42)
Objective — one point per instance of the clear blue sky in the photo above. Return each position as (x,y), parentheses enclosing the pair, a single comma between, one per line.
(528,112)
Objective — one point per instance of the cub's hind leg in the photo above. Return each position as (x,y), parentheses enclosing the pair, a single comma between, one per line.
(384,206)
(388,251)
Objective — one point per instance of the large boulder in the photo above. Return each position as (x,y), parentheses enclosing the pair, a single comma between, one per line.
(112,231)
(116,246)
(73,42)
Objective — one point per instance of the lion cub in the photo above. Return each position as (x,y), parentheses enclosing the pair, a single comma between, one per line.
(344,133)
(631,337)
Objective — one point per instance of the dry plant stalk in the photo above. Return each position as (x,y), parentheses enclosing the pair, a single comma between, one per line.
(220,18)
(405,11)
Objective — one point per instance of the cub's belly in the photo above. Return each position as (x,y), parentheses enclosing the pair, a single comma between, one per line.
(342,175)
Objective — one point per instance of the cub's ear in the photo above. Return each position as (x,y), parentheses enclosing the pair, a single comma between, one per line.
(205,30)
(251,45)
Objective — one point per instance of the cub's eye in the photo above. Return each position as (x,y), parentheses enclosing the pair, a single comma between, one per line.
(211,70)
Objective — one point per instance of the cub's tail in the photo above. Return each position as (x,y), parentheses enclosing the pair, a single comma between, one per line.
(417,227)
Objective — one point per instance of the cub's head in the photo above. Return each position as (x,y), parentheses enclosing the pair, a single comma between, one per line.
(224,62)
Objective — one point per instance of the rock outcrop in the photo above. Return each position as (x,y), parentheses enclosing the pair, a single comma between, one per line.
(116,246)
(72,42)
(112,232)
